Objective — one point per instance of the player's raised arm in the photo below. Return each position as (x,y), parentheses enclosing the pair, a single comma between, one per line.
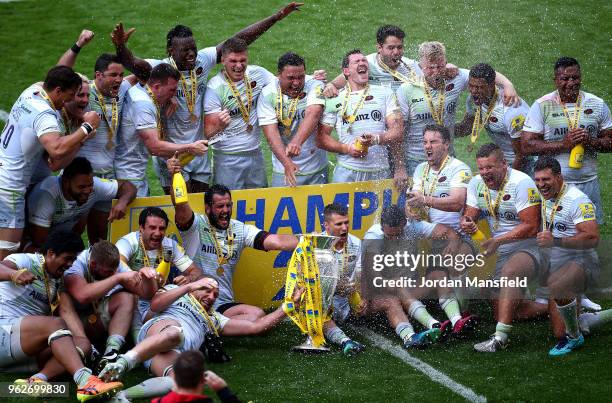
(139,67)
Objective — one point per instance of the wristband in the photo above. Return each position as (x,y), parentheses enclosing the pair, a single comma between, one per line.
(75,48)
(15,275)
(87,128)
(556,241)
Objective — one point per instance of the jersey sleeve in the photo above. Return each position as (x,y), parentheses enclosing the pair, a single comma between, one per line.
(20,260)
(472,193)
(46,122)
(463,78)
(315,96)
(422,229)
(212,101)
(267,76)
(604,121)
(266,106)
(417,178)
(125,247)
(330,115)
(250,232)
(527,195)
(582,210)
(391,105)
(191,236)
(534,123)
(461,178)
(208,56)
(375,232)
(78,268)
(105,189)
(153,62)
(179,257)
(221,320)
(514,120)
(402,99)
(144,115)
(41,206)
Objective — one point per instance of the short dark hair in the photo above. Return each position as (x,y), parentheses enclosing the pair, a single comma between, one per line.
(389,30)
(152,212)
(548,162)
(104,60)
(78,166)
(105,253)
(444,132)
(488,149)
(290,59)
(62,241)
(483,71)
(565,62)
(216,189)
(179,31)
(162,72)
(188,369)
(393,216)
(334,208)
(63,77)
(345,59)
(234,45)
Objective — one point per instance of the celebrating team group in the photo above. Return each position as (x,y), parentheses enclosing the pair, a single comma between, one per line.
(393,117)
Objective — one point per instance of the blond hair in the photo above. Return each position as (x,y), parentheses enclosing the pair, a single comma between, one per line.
(432,50)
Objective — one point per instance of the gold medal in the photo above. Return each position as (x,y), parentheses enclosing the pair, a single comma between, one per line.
(220,271)
(93,318)
(249,127)
(469,148)
(193,117)
(350,119)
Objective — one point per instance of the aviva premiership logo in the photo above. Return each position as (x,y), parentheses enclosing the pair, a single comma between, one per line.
(534,196)
(587,210)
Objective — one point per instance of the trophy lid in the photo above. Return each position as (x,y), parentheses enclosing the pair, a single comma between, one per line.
(321,241)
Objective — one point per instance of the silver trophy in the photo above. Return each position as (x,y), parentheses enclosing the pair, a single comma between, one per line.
(328,278)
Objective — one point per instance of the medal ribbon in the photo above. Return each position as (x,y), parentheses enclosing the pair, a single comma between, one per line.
(396,74)
(112,125)
(145,257)
(200,308)
(53,302)
(291,113)
(46,97)
(572,120)
(303,271)
(548,226)
(245,111)
(190,96)
(437,113)
(221,259)
(494,208)
(345,103)
(479,124)
(160,127)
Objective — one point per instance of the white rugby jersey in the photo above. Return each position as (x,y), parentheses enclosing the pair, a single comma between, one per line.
(311,159)
(413,231)
(200,246)
(30,299)
(195,326)
(30,118)
(129,247)
(47,206)
(520,193)
(455,174)
(235,137)
(379,76)
(505,123)
(575,207)
(139,113)
(417,114)
(95,149)
(379,104)
(546,116)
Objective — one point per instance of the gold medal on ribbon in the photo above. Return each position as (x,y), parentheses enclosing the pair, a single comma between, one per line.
(193,117)
(160,127)
(113,124)
(479,122)
(93,318)
(220,271)
(350,119)
(249,127)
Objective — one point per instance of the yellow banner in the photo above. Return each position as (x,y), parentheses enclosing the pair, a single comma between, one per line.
(260,276)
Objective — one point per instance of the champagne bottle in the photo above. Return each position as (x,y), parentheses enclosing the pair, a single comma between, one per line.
(359,146)
(163,268)
(186,158)
(479,236)
(180,188)
(576,156)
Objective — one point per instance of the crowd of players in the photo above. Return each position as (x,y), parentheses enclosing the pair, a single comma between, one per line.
(394,118)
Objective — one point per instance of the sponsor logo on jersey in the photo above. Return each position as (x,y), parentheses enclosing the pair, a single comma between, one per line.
(518,122)
(369,97)
(449,87)
(450,108)
(361,116)
(415,100)
(588,111)
(560,227)
(442,179)
(534,196)
(465,177)
(376,115)
(510,216)
(253,84)
(587,210)
(199,70)
(493,119)
(506,197)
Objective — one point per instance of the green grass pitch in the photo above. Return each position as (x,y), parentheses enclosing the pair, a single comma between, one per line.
(521,39)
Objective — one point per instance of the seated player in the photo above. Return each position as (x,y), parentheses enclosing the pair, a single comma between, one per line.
(64,201)
(30,293)
(103,289)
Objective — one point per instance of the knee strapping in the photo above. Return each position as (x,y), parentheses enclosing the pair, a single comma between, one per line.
(58,334)
(180,332)
(10,246)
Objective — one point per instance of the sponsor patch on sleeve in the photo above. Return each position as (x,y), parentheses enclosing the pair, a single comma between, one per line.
(517,123)
(534,195)
(587,210)
(465,177)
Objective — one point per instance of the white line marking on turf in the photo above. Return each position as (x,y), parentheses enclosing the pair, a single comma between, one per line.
(433,374)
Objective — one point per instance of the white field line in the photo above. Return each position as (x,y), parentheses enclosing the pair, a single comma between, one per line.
(437,376)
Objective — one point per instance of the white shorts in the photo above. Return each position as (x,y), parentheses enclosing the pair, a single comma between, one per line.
(240,171)
(147,326)
(317,178)
(12,209)
(343,174)
(10,343)
(198,169)
(528,246)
